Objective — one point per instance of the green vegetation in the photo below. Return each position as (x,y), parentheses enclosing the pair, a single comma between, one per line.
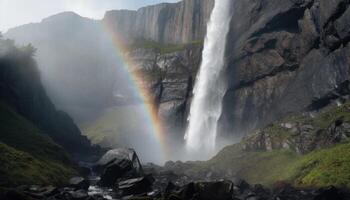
(19,133)
(18,167)
(27,156)
(321,120)
(163,48)
(325,167)
(329,166)
(114,125)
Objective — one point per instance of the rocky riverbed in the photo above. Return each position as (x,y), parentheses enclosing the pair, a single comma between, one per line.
(120,175)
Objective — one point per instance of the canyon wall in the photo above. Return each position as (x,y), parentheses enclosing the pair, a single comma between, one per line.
(181,22)
(284,56)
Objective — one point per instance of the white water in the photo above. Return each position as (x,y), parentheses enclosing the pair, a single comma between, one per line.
(210,87)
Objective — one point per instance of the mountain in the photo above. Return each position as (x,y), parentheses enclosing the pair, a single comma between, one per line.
(37,142)
(23,93)
(282,57)
(79,64)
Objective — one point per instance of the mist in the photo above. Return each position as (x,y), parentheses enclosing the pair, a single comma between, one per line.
(84,74)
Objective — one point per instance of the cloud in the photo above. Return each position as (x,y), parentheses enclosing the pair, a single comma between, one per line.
(17,12)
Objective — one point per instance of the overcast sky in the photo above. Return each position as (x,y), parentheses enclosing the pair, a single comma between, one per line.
(18,12)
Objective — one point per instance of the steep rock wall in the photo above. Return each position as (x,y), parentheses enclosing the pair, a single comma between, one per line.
(284,56)
(181,22)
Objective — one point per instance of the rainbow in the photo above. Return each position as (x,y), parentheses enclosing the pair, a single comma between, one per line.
(136,78)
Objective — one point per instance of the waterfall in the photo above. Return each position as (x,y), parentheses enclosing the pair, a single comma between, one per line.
(210,87)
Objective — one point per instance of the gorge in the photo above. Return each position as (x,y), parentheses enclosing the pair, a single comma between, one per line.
(259,89)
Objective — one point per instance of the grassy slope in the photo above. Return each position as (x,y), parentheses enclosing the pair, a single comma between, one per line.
(27,156)
(325,167)
(330,166)
(114,123)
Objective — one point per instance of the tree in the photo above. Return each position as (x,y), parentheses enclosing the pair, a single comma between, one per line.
(29,49)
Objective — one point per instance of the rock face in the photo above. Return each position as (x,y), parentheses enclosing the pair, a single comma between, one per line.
(181,22)
(284,56)
(303,133)
(170,78)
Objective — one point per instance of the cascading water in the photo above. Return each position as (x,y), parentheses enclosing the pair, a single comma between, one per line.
(209,88)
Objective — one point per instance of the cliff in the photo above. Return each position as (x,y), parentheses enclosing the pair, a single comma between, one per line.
(284,56)
(181,22)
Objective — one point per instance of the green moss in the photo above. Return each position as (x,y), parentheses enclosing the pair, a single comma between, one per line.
(325,167)
(18,167)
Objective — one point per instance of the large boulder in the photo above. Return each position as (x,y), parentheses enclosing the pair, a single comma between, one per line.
(117,164)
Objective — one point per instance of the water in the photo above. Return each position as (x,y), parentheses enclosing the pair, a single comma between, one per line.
(210,87)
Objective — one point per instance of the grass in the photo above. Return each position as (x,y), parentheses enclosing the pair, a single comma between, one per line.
(18,168)
(330,166)
(18,132)
(325,167)
(114,124)
(28,156)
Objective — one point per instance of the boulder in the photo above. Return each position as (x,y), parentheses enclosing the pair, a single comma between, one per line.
(116,164)
(79,183)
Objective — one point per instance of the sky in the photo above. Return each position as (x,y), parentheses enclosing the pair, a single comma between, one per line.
(18,12)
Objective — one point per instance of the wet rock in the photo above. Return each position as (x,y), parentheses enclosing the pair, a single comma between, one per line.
(79,195)
(79,183)
(329,193)
(135,186)
(207,191)
(118,163)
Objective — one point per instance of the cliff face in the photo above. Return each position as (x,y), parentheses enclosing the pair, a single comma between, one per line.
(181,22)
(170,78)
(284,56)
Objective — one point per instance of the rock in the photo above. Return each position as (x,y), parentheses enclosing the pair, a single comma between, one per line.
(118,163)
(163,22)
(135,186)
(79,183)
(329,193)
(222,190)
(17,195)
(78,195)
